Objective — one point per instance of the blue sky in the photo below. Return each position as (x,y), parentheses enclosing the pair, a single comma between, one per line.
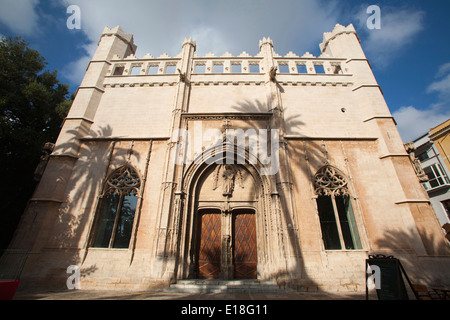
(410,54)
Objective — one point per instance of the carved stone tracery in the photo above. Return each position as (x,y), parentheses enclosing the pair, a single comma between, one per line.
(124,181)
(329,182)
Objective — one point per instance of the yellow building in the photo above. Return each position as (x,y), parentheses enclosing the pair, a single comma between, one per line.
(433,149)
(440,136)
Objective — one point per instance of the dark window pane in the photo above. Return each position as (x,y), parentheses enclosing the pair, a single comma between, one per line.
(429,173)
(434,183)
(106,222)
(348,223)
(118,71)
(330,232)
(422,156)
(337,69)
(125,223)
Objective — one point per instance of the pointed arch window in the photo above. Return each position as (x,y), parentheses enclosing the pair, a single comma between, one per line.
(117,209)
(337,220)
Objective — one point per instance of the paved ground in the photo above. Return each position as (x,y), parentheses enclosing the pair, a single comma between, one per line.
(162,295)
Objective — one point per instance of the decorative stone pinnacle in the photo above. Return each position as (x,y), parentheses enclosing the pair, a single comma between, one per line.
(190,42)
(265,41)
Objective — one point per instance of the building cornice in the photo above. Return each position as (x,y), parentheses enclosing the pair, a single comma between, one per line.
(440,132)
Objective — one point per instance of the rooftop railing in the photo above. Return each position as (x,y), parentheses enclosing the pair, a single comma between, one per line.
(226,64)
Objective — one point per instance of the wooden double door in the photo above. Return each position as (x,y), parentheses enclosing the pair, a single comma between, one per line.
(227,246)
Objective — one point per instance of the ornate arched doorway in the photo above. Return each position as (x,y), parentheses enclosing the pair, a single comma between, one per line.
(230,222)
(225,236)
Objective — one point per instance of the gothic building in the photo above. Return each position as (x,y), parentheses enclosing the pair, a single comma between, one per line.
(268,167)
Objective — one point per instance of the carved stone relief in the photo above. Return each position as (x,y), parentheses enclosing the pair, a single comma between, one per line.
(417,166)
(229,175)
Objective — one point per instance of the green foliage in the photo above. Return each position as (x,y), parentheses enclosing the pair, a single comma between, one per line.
(33,105)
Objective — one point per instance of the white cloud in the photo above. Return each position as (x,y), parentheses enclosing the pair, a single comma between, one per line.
(160,26)
(399,27)
(75,70)
(412,122)
(442,83)
(209,38)
(443,70)
(20,15)
(441,86)
(218,26)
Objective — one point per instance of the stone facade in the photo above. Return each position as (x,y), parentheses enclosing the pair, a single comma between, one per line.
(151,135)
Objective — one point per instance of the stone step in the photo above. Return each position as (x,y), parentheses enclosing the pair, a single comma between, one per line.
(225,286)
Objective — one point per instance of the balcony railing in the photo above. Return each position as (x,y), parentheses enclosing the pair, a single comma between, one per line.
(227,64)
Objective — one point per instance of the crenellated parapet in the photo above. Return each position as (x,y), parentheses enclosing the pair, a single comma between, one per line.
(227,69)
(338,30)
(117,32)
